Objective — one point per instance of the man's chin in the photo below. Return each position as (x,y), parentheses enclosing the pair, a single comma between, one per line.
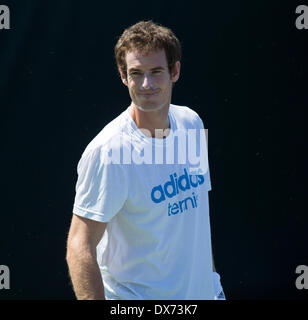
(148,107)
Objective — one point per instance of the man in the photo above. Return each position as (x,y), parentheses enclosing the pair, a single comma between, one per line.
(141,229)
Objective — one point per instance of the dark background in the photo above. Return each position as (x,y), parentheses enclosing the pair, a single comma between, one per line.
(244,70)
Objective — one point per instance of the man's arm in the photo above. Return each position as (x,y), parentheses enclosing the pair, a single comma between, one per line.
(214,269)
(84,236)
(219,293)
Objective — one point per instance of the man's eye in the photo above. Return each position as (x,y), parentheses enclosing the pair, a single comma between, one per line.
(157,71)
(134,73)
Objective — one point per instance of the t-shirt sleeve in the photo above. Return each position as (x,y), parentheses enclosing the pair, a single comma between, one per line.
(101,188)
(207,175)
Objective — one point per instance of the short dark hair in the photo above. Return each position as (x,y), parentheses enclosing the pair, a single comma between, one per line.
(147,36)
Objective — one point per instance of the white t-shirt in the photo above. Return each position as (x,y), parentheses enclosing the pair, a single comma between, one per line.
(157,244)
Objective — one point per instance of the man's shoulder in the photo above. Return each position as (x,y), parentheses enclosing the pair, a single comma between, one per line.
(185,115)
(110,136)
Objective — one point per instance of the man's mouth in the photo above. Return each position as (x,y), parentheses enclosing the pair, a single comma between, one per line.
(148,94)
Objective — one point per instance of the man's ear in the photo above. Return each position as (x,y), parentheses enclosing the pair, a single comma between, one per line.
(175,74)
(123,77)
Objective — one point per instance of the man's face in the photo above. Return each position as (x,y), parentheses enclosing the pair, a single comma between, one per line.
(148,79)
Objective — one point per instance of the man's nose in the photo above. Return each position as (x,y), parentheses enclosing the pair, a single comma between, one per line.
(147,82)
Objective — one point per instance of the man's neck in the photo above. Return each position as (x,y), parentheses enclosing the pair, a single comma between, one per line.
(152,120)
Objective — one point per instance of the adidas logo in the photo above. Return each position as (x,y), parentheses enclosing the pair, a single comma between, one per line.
(175,185)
